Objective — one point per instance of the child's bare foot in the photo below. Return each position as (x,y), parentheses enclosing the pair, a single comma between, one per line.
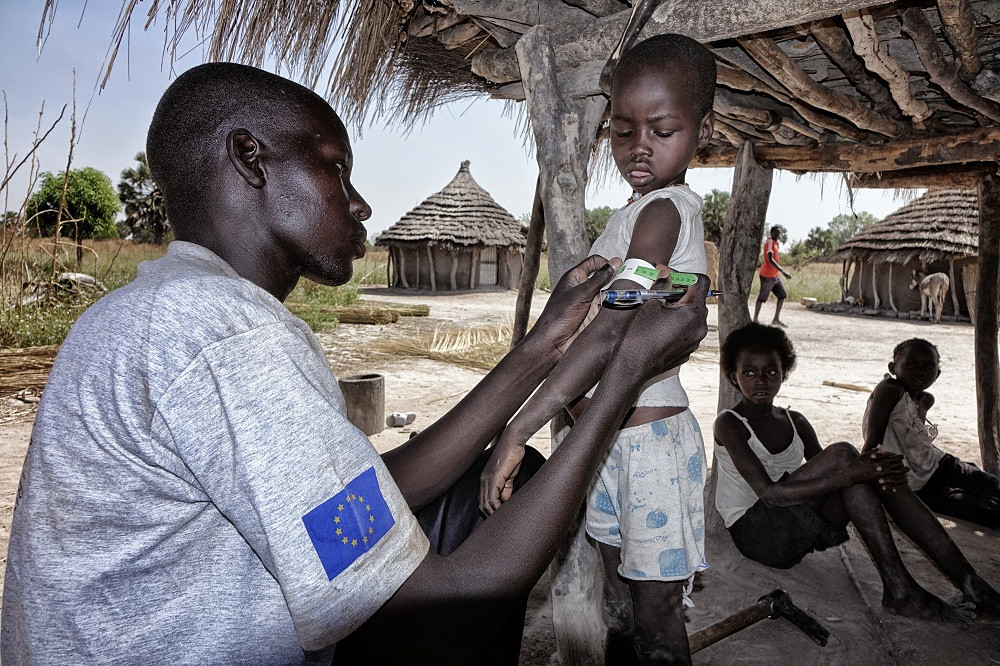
(920,604)
(986,599)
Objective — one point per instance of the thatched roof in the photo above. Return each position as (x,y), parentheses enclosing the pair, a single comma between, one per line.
(816,86)
(940,225)
(463,214)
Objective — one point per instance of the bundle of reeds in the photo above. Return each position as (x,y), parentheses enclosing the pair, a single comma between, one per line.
(25,368)
(476,348)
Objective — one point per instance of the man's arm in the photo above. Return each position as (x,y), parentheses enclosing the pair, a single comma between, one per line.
(774,262)
(450,606)
(427,465)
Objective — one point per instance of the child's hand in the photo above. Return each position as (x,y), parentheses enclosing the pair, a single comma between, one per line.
(572,299)
(496,483)
(885,470)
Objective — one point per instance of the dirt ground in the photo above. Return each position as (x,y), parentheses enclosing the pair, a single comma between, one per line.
(839,357)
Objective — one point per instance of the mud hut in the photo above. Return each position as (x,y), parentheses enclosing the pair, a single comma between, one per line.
(937,232)
(458,238)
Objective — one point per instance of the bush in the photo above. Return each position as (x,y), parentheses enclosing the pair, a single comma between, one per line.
(91,205)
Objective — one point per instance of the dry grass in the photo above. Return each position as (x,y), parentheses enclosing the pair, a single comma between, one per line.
(25,369)
(474,348)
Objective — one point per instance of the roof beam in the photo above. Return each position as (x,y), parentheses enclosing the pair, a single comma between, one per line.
(960,25)
(833,41)
(937,177)
(703,20)
(980,145)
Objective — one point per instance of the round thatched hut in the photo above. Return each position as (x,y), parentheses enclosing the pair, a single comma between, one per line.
(459,238)
(936,232)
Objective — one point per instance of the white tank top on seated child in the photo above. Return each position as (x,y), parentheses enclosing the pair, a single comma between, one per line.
(663,390)
(733,495)
(911,436)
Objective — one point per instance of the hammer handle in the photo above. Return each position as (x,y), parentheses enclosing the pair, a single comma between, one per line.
(741,620)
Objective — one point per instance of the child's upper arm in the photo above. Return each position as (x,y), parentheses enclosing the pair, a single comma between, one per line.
(731,434)
(884,398)
(654,236)
(807,434)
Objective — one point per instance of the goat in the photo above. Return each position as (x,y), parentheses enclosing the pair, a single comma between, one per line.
(933,289)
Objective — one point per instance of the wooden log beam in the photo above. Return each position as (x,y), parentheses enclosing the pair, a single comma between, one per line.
(740,80)
(986,328)
(833,41)
(703,20)
(598,7)
(553,14)
(960,25)
(943,73)
(866,44)
(804,87)
(965,176)
(563,135)
(980,145)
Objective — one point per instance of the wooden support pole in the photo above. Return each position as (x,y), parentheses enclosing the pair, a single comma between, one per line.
(892,301)
(402,269)
(954,286)
(474,273)
(738,251)
(529,272)
(454,270)
(431,269)
(986,328)
(875,285)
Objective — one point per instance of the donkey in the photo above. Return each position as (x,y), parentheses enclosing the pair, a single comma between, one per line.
(933,289)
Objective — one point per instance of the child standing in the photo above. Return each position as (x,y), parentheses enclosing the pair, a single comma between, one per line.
(896,419)
(646,510)
(778,509)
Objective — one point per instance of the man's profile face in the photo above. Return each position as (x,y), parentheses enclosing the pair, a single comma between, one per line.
(317,212)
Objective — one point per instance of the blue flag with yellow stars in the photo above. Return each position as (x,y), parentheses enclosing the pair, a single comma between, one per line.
(349,524)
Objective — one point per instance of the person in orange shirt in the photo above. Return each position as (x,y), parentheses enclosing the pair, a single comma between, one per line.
(769,280)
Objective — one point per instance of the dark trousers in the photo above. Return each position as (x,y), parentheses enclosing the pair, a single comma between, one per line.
(447,522)
(962,490)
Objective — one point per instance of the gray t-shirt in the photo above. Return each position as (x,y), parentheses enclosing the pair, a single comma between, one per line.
(193,492)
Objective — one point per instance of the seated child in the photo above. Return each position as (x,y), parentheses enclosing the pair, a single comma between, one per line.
(896,420)
(646,510)
(779,509)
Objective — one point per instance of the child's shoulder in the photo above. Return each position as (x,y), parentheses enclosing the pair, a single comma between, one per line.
(889,387)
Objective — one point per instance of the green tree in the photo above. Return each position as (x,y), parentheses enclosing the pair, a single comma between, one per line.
(90,209)
(145,213)
(595,220)
(844,226)
(713,214)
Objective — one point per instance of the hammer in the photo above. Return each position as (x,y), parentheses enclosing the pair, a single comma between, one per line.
(773,605)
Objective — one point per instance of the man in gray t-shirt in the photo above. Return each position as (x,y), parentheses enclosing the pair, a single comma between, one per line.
(193,492)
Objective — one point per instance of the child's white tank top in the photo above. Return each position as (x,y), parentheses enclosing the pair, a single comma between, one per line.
(733,495)
(664,390)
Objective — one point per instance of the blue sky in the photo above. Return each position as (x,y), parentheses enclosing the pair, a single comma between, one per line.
(394,170)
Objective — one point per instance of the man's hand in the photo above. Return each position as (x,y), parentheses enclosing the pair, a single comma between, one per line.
(662,335)
(572,300)
(786,274)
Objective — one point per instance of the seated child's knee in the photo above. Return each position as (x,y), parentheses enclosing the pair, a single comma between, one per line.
(844,450)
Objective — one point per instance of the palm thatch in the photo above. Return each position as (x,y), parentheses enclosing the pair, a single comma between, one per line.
(461,215)
(940,225)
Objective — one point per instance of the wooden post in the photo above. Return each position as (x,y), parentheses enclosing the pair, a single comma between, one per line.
(454,270)
(564,132)
(954,286)
(738,250)
(875,285)
(987,362)
(388,268)
(402,269)
(431,269)
(474,273)
(892,301)
(364,396)
(529,271)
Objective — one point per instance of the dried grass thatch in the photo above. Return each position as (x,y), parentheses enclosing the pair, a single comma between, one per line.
(475,348)
(937,226)
(462,214)
(25,368)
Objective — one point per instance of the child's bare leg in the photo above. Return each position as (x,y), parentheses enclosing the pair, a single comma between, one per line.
(660,633)
(862,505)
(618,614)
(917,522)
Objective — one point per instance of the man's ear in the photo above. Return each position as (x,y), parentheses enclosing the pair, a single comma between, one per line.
(244,153)
(705,129)
(892,367)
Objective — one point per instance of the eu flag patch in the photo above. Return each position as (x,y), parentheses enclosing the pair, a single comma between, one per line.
(349,524)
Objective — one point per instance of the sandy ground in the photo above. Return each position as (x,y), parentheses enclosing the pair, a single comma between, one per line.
(851,352)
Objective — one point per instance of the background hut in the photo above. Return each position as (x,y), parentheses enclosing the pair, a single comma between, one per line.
(459,237)
(937,232)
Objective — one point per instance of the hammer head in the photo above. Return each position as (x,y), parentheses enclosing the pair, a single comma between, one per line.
(781,606)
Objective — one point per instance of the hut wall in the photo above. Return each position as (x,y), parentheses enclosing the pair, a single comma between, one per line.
(511,264)
(906,299)
(416,266)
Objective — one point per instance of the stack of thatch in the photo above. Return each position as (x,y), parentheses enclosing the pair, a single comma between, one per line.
(937,226)
(462,214)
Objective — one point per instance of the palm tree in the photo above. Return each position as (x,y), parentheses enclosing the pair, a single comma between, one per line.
(145,214)
(713,214)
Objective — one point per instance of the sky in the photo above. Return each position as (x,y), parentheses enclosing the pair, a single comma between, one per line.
(394,170)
